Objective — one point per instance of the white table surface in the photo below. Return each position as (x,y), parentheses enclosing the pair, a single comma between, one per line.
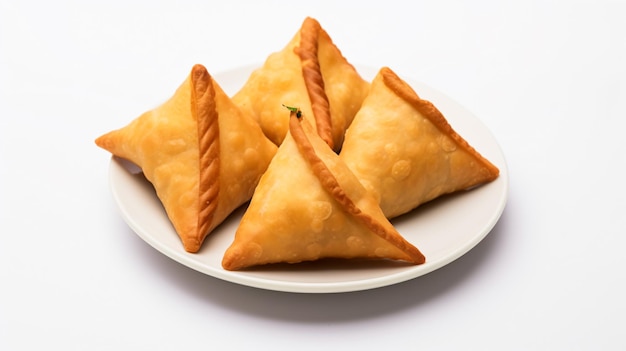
(548,78)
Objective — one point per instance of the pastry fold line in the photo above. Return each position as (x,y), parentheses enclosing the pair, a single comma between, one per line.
(204,106)
(313,79)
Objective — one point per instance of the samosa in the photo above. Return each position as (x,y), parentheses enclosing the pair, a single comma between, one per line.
(203,155)
(404,151)
(311,73)
(309,206)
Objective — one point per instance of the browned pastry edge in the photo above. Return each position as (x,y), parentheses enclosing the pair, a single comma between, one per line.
(332,186)
(312,74)
(426,108)
(204,108)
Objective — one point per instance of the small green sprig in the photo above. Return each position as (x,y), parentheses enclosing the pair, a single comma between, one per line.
(295,110)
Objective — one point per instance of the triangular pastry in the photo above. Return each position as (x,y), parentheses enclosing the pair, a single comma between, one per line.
(203,156)
(310,72)
(309,206)
(405,152)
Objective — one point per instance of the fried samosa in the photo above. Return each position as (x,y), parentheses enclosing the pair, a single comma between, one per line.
(404,151)
(203,155)
(309,206)
(310,72)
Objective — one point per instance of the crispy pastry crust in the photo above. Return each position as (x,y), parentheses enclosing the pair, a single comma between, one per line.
(405,152)
(202,154)
(309,206)
(428,110)
(204,108)
(312,74)
(330,184)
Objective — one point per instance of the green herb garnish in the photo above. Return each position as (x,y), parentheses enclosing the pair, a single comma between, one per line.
(294,109)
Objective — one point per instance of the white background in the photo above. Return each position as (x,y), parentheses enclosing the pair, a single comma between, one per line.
(548,78)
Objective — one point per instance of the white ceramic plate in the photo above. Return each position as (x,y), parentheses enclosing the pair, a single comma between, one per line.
(443,230)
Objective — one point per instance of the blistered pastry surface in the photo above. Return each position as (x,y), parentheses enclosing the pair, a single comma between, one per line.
(311,73)
(404,151)
(163,142)
(282,224)
(186,148)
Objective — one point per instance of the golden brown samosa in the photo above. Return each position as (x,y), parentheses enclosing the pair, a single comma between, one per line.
(202,154)
(310,72)
(404,150)
(309,206)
